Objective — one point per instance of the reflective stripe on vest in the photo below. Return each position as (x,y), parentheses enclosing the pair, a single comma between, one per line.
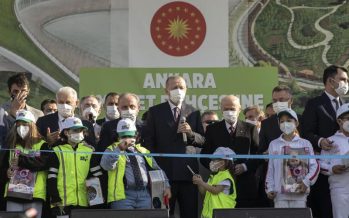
(41,176)
(116,186)
(72,173)
(221,200)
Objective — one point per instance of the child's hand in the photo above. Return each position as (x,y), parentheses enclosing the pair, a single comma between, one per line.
(271,195)
(167,193)
(302,187)
(338,169)
(197,180)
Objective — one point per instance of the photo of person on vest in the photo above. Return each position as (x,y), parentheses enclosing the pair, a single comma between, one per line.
(70,165)
(26,165)
(219,191)
(128,181)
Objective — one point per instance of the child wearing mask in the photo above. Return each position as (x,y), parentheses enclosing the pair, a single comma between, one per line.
(220,191)
(26,165)
(70,165)
(337,169)
(128,175)
(288,181)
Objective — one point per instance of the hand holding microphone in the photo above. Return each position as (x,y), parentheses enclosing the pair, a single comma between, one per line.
(184,128)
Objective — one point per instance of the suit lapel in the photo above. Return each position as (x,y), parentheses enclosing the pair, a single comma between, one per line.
(326,102)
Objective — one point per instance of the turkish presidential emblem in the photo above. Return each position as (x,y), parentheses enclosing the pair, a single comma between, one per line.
(178,28)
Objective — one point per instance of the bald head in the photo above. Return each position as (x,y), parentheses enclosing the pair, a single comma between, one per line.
(229,102)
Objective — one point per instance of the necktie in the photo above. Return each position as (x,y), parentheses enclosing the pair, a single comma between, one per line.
(175,113)
(136,171)
(336,103)
(232,129)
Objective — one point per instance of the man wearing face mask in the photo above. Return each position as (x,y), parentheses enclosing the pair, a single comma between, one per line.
(168,125)
(90,108)
(254,115)
(320,123)
(128,106)
(50,126)
(111,108)
(242,138)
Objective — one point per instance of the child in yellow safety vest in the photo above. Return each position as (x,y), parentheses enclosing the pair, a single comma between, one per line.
(220,191)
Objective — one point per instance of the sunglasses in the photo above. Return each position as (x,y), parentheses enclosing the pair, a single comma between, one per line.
(209,122)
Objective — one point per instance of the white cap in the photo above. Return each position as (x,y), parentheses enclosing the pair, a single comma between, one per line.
(72,123)
(224,151)
(126,127)
(289,112)
(342,109)
(24,115)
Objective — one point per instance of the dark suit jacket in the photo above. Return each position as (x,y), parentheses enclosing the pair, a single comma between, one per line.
(101,121)
(51,121)
(319,120)
(245,141)
(109,135)
(160,136)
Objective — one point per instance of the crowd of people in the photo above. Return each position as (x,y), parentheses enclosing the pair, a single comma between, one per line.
(54,152)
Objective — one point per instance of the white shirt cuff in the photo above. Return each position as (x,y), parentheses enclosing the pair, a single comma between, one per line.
(318,143)
(244,166)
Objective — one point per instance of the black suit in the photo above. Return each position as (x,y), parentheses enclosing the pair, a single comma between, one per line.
(244,141)
(101,121)
(160,136)
(319,118)
(51,121)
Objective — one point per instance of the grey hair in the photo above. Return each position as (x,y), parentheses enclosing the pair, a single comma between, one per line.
(67,90)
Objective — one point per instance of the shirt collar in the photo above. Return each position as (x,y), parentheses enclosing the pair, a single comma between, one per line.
(173,106)
(228,125)
(296,138)
(331,96)
(61,118)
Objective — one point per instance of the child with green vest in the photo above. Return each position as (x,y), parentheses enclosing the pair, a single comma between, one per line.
(220,189)
(70,165)
(26,165)
(128,174)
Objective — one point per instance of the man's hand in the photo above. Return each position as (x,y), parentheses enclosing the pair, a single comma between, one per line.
(10,173)
(338,169)
(18,102)
(239,169)
(14,162)
(52,137)
(326,144)
(197,180)
(126,143)
(302,187)
(185,128)
(167,193)
(271,195)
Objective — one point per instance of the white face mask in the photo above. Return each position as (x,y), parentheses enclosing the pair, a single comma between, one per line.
(280,106)
(342,88)
(90,110)
(113,112)
(288,127)
(177,96)
(22,131)
(130,114)
(215,165)
(346,125)
(230,116)
(253,122)
(65,110)
(76,137)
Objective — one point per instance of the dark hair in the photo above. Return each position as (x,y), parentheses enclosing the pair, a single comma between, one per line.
(280,88)
(112,94)
(269,105)
(207,113)
(20,79)
(45,102)
(332,71)
(172,78)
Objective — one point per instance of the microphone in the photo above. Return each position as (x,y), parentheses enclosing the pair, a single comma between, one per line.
(90,118)
(183,120)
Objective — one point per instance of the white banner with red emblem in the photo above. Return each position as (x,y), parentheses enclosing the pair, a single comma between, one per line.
(165,33)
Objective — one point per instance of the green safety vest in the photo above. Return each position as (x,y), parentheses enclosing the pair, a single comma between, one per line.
(220,200)
(116,186)
(73,169)
(41,176)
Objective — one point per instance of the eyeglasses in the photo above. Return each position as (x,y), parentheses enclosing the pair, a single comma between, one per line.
(209,122)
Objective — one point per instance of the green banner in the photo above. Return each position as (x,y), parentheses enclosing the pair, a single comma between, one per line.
(206,86)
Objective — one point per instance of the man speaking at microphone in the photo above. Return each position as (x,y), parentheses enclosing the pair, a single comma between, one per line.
(171,127)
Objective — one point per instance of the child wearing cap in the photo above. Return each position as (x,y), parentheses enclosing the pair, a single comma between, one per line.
(337,169)
(128,174)
(288,181)
(220,191)
(70,165)
(26,165)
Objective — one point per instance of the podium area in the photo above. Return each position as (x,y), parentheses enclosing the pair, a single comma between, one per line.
(263,213)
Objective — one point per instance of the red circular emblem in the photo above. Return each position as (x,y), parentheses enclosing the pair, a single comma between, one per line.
(178,28)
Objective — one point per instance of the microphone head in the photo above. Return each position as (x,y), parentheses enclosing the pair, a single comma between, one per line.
(183,119)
